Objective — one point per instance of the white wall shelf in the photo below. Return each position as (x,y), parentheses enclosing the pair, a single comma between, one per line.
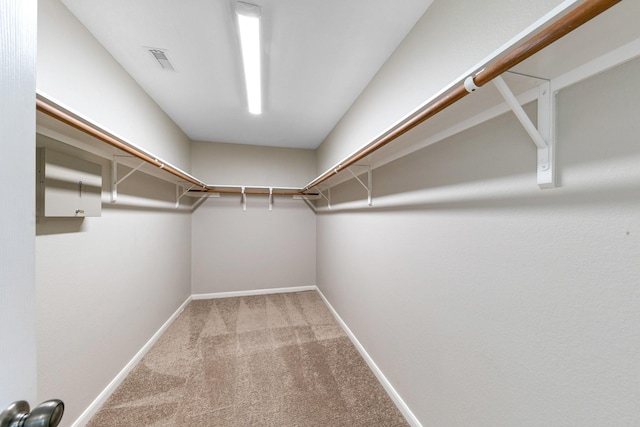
(57,123)
(602,43)
(74,133)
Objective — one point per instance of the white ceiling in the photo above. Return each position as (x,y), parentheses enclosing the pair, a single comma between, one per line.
(318,56)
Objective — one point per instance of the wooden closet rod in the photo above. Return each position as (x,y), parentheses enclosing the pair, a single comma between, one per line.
(534,43)
(248,191)
(57,113)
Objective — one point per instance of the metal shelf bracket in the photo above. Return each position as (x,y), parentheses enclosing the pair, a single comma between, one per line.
(369,187)
(327,197)
(543,135)
(180,195)
(244,200)
(114,177)
(270,199)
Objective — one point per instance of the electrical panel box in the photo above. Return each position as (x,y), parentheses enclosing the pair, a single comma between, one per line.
(67,186)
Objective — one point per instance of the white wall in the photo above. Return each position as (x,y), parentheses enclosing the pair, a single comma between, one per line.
(452,37)
(487,301)
(235,250)
(105,285)
(76,70)
(17,209)
(233,164)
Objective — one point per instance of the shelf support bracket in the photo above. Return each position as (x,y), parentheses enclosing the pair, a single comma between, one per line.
(114,177)
(244,200)
(270,199)
(327,197)
(181,195)
(306,200)
(369,187)
(543,134)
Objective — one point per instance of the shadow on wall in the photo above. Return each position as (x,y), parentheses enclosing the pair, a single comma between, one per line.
(416,201)
(48,226)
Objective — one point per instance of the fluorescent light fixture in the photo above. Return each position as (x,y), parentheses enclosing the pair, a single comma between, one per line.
(249,27)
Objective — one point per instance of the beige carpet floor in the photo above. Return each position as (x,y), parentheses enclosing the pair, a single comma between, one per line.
(272,360)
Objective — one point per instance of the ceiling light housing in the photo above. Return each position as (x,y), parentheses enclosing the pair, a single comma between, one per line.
(249,29)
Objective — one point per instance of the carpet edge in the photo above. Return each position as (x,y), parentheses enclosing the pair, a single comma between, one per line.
(99,401)
(253,292)
(95,406)
(391,391)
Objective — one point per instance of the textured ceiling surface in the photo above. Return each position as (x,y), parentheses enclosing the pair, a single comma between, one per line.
(318,55)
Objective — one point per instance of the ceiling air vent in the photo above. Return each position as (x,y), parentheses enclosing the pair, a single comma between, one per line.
(161,56)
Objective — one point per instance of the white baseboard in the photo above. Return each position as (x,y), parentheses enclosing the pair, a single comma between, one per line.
(254,292)
(113,385)
(393,394)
